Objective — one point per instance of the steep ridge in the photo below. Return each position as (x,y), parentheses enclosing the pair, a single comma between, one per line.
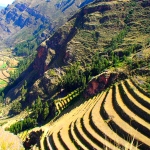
(73,42)
(36,19)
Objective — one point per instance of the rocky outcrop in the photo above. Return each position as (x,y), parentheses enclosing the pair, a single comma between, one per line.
(32,139)
(11,15)
(102,81)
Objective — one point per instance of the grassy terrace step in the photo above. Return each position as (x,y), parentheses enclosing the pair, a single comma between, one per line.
(62,103)
(60,129)
(127,115)
(133,105)
(140,89)
(93,124)
(65,138)
(23,135)
(83,137)
(122,127)
(73,110)
(94,136)
(140,97)
(56,141)
(75,139)
(74,135)
(102,128)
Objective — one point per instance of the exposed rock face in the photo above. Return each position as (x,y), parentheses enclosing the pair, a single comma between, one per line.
(34,14)
(102,81)
(34,138)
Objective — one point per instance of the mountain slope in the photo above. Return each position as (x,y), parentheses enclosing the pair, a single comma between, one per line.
(24,19)
(90,31)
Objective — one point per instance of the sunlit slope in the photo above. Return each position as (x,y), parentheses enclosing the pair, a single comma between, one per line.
(114,119)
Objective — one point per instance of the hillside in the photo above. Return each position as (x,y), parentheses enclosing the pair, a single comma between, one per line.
(88,86)
(34,20)
(90,31)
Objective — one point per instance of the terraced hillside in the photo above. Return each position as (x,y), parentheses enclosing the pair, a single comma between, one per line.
(117,118)
(102,44)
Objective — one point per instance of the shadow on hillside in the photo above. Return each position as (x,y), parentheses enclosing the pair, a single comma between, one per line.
(76,102)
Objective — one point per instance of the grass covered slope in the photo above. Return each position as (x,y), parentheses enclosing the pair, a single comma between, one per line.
(103,28)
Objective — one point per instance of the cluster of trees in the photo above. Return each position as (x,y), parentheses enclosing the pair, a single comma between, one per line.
(40,110)
(22,125)
(118,39)
(25,48)
(23,64)
(99,63)
(73,78)
(24,91)
(16,107)
(76,77)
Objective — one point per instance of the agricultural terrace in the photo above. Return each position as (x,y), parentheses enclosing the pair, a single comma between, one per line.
(117,118)
(8,65)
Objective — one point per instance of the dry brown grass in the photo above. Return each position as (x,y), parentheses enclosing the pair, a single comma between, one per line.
(2,75)
(8,141)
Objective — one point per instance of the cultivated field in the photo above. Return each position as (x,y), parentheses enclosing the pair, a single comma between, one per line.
(7,64)
(115,119)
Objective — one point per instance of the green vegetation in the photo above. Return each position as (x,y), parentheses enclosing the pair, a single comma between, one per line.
(117,42)
(22,65)
(16,107)
(25,48)
(22,125)
(75,77)
(24,91)
(40,110)
(64,102)
(118,39)
(2,82)
(3,66)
